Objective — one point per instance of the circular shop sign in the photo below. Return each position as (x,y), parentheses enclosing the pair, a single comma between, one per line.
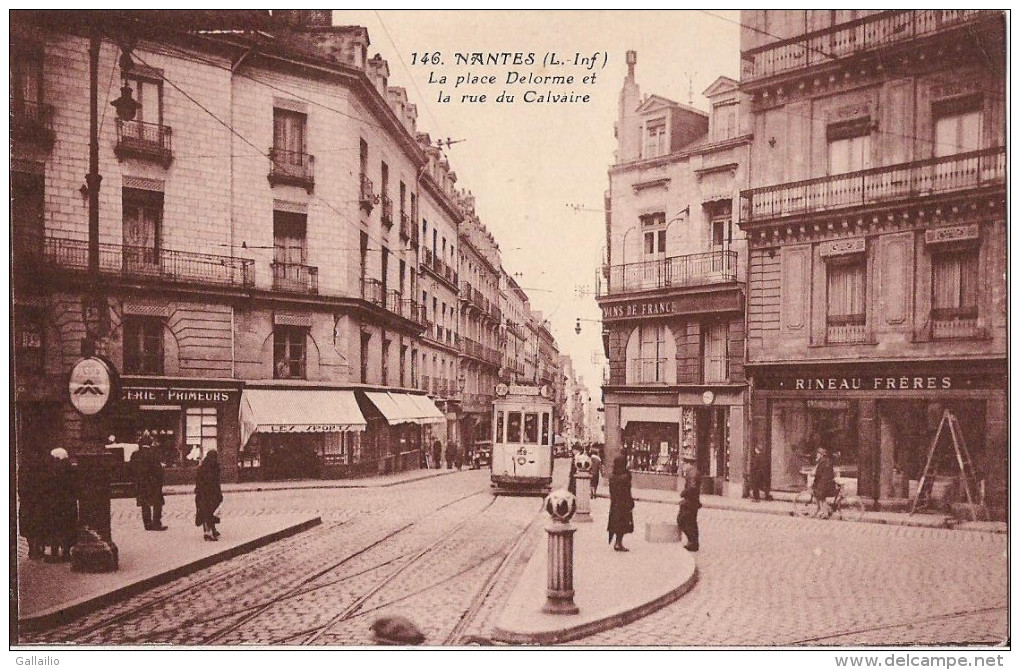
(90,386)
(502,390)
(707,397)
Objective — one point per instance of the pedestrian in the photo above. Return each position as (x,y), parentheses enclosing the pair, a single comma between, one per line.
(63,507)
(451,455)
(208,495)
(759,475)
(148,473)
(437,453)
(572,477)
(33,499)
(690,501)
(596,469)
(824,485)
(621,504)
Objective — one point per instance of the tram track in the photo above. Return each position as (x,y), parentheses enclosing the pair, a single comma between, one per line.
(820,639)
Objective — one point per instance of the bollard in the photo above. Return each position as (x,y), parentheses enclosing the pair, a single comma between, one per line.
(559,591)
(583,480)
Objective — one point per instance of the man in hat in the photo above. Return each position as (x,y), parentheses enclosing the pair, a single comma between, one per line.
(824,485)
(759,475)
(690,500)
(148,474)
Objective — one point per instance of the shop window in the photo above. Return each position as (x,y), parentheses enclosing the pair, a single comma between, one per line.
(655,138)
(954,302)
(799,427)
(341,448)
(849,148)
(652,447)
(289,351)
(28,342)
(715,359)
(199,434)
(845,319)
(143,345)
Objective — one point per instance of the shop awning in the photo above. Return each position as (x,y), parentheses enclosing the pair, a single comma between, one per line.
(298,411)
(651,414)
(405,408)
(427,410)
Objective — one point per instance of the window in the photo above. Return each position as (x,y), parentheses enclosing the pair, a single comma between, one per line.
(513,428)
(142,220)
(148,93)
(366,339)
(715,358)
(364,159)
(655,138)
(403,363)
(846,300)
(724,121)
(654,239)
(955,285)
(957,125)
(199,433)
(29,341)
(289,350)
(385,361)
(849,145)
(720,216)
(26,84)
(364,254)
(651,355)
(143,345)
(531,428)
(289,248)
(499,428)
(545,428)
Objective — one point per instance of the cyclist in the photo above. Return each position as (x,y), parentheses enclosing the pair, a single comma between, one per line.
(824,485)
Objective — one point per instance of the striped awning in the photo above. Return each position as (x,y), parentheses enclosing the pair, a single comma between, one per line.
(630,413)
(405,408)
(298,411)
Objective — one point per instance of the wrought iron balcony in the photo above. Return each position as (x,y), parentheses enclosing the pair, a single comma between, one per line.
(292,167)
(851,38)
(149,141)
(147,263)
(845,329)
(366,196)
(394,301)
(32,122)
(677,271)
(295,278)
(960,172)
(414,312)
(427,255)
(372,291)
(387,210)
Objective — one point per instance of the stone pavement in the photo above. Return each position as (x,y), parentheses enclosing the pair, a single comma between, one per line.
(611,588)
(51,593)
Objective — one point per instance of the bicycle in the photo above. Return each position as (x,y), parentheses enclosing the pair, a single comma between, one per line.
(848,507)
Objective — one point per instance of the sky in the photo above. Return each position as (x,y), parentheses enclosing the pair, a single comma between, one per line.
(538,170)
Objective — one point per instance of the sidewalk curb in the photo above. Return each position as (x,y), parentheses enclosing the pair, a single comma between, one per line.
(67,612)
(259,487)
(599,625)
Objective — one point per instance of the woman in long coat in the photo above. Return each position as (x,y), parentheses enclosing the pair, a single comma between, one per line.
(208,495)
(621,503)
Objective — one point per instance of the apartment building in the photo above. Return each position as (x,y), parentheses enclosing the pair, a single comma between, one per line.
(876,227)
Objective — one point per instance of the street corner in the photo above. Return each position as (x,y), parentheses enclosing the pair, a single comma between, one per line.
(611,588)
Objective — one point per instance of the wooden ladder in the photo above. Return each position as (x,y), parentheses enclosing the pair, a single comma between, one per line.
(963,460)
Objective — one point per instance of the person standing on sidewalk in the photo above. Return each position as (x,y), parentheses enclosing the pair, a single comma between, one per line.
(63,501)
(690,501)
(621,503)
(437,454)
(596,469)
(451,455)
(824,485)
(208,495)
(148,472)
(759,475)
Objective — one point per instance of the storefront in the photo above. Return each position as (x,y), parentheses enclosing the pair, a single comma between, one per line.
(185,418)
(654,436)
(880,420)
(299,433)
(398,437)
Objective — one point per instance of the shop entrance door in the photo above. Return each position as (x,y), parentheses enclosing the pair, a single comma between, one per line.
(713,447)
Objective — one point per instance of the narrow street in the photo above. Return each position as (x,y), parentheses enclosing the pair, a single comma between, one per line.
(437,552)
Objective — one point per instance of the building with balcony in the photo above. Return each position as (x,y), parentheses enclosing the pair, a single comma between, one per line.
(515,307)
(875,217)
(672,289)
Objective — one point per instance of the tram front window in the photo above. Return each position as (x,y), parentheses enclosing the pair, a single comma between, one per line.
(513,428)
(531,428)
(545,428)
(499,428)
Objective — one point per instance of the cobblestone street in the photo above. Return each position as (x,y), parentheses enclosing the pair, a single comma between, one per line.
(434,551)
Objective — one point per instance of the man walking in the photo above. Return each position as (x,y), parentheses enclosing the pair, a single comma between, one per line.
(690,501)
(759,475)
(148,473)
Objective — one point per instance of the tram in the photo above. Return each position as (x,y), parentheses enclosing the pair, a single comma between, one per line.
(522,440)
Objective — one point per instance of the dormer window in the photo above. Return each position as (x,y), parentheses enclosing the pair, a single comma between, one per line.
(655,138)
(724,121)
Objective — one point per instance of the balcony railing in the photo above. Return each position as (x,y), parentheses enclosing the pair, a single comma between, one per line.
(295,278)
(950,323)
(465,290)
(414,311)
(372,291)
(147,263)
(292,167)
(439,266)
(394,301)
(427,255)
(691,270)
(137,139)
(959,172)
(366,196)
(32,122)
(845,329)
(847,39)
(387,210)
